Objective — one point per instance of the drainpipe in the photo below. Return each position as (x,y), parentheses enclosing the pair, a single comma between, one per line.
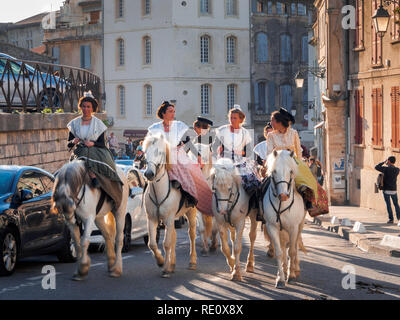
(347,103)
(103,94)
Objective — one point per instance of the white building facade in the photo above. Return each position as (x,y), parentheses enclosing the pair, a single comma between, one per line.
(193,53)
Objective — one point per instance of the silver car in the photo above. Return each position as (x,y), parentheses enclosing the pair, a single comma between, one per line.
(21,84)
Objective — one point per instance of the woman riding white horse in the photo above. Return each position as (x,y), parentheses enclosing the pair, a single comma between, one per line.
(167,163)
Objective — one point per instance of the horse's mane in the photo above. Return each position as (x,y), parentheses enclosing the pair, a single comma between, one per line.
(73,175)
(281,158)
(223,171)
(155,138)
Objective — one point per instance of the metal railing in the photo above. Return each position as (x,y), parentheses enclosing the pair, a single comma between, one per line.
(31,86)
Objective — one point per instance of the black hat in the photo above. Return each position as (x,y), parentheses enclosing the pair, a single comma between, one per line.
(205,120)
(88,96)
(287,114)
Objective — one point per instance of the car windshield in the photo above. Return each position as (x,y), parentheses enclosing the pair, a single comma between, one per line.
(6,181)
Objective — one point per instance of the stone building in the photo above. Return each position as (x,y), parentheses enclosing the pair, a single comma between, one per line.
(374,102)
(193,53)
(77,37)
(27,33)
(279,45)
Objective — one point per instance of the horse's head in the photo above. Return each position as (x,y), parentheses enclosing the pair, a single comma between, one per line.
(225,181)
(282,168)
(67,185)
(156,150)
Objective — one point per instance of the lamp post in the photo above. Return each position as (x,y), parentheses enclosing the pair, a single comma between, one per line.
(318,72)
(381,17)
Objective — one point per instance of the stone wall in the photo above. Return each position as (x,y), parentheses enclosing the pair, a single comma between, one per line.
(38,140)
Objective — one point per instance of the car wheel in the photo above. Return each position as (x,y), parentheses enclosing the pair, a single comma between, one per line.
(146,237)
(68,253)
(127,234)
(8,252)
(45,99)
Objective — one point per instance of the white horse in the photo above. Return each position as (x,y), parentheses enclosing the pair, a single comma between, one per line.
(161,202)
(206,226)
(230,205)
(75,198)
(284,213)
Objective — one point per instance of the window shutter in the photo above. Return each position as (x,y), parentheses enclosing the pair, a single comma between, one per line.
(87,57)
(379,116)
(82,56)
(374,116)
(357,116)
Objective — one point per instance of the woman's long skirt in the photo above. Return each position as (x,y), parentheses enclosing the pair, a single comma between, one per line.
(189,175)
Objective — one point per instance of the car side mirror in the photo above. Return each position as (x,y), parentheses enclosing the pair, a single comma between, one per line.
(26,195)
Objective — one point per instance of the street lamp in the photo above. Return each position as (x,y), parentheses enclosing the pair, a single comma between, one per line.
(318,72)
(381,17)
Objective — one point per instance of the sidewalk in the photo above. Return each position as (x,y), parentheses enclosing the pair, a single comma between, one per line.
(375,226)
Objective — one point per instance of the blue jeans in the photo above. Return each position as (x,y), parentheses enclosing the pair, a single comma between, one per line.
(389,206)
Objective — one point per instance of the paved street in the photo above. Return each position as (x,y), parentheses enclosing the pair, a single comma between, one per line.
(321,278)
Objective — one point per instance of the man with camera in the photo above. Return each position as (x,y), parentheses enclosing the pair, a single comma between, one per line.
(390,173)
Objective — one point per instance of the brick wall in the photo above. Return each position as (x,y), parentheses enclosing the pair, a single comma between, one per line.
(38,140)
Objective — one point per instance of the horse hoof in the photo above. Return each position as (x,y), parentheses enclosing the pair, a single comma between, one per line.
(165,274)
(292,280)
(78,277)
(115,274)
(280,285)
(192,266)
(160,264)
(204,254)
(250,269)
(213,249)
(237,277)
(270,254)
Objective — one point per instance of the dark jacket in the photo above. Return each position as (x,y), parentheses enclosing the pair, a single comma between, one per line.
(390,174)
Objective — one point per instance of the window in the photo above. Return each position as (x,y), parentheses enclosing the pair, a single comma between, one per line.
(55,53)
(146,7)
(377,100)
(279,8)
(47,183)
(265,97)
(94,17)
(359,35)
(262,47)
(293,10)
(31,181)
(119,9)
(231,7)
(376,58)
(286,100)
(205,99)
(359,115)
(395,22)
(304,49)
(301,9)
(121,101)
(205,7)
(121,52)
(147,50)
(395,97)
(148,99)
(231,95)
(85,57)
(231,50)
(204,49)
(286,48)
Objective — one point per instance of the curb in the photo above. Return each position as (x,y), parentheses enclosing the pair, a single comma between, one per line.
(368,242)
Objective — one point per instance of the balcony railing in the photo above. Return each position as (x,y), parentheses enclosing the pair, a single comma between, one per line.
(31,86)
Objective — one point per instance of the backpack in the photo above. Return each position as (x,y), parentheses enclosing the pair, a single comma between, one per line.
(379,181)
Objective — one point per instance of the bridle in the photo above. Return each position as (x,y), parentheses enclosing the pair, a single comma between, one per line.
(230,200)
(273,190)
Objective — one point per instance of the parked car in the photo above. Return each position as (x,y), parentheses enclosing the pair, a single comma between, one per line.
(28,227)
(45,86)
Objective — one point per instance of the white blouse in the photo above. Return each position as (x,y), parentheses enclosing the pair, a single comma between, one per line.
(261,150)
(234,142)
(176,131)
(280,141)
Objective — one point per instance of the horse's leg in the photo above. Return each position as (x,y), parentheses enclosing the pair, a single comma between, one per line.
(293,236)
(271,250)
(173,252)
(273,232)
(116,269)
(169,227)
(252,236)
(84,260)
(76,236)
(207,232)
(284,240)
(238,249)
(153,246)
(214,235)
(191,215)
(226,250)
(108,230)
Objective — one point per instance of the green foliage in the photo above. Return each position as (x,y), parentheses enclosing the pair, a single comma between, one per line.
(46,111)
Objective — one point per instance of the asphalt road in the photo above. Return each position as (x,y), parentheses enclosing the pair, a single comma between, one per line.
(375,277)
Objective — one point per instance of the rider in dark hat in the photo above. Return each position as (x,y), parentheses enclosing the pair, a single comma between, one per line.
(287,114)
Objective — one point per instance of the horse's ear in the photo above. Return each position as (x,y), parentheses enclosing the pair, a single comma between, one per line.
(292,153)
(275,153)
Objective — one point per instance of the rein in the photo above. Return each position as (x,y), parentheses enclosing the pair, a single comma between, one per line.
(279,211)
(228,215)
(155,202)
